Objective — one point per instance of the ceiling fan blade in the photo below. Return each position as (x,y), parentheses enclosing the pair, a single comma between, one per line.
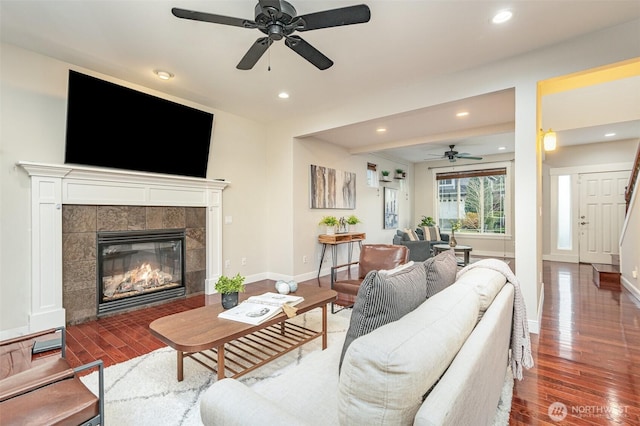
(335,17)
(308,52)
(254,53)
(466,157)
(215,19)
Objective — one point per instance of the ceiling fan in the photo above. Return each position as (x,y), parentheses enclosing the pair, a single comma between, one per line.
(452,155)
(277,19)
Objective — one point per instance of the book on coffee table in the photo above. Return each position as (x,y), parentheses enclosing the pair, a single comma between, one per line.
(257,309)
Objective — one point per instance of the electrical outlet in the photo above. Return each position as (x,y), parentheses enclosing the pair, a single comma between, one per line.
(244,261)
(227,264)
(304,259)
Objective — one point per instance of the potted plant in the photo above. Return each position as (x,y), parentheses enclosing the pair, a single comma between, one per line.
(427,221)
(229,289)
(330,222)
(386,175)
(352,221)
(400,174)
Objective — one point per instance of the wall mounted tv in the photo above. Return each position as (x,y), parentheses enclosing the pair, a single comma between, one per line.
(113,126)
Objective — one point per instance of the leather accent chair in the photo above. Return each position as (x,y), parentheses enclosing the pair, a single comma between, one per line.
(373,257)
(45,389)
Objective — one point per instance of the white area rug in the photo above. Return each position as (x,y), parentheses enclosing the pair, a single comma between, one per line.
(145,391)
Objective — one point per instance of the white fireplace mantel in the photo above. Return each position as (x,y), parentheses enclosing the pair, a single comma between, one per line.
(55,185)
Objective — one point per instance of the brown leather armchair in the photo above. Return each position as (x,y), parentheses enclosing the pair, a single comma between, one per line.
(46,389)
(373,257)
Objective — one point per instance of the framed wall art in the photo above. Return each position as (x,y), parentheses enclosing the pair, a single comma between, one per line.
(332,189)
(390,208)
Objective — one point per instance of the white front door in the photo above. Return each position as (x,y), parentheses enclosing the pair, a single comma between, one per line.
(602,211)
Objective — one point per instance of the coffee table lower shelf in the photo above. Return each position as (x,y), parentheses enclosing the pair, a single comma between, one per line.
(245,354)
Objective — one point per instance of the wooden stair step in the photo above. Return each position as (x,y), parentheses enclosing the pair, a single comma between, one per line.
(606,276)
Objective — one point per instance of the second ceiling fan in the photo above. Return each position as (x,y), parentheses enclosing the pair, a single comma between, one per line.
(278,19)
(452,155)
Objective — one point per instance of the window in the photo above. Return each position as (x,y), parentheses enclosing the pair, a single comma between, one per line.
(564,213)
(476,198)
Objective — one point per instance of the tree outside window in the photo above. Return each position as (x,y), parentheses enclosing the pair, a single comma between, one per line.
(475,198)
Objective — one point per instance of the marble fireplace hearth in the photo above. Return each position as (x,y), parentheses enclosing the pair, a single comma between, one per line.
(87,199)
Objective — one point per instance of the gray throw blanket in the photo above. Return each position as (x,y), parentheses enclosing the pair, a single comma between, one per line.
(520,341)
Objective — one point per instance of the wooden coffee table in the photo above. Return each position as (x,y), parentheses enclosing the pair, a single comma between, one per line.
(233,348)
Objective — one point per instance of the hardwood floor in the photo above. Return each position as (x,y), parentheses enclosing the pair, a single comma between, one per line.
(587,354)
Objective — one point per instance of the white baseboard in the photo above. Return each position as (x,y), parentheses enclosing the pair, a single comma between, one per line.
(629,286)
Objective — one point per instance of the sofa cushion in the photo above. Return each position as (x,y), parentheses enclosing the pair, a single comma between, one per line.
(386,373)
(383,297)
(431,233)
(440,271)
(411,234)
(486,282)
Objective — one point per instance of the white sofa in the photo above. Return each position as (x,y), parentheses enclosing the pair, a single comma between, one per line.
(455,346)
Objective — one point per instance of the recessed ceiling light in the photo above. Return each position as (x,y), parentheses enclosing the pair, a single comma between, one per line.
(381,129)
(163,75)
(502,16)
(502,148)
(462,114)
(283,95)
(608,135)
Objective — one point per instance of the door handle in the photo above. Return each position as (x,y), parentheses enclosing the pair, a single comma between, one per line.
(583,223)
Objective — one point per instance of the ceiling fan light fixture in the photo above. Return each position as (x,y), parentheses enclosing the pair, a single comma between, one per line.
(549,140)
(163,75)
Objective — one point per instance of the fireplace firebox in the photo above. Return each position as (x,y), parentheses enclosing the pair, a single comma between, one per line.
(139,267)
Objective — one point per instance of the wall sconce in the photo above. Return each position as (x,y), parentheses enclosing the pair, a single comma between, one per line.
(549,140)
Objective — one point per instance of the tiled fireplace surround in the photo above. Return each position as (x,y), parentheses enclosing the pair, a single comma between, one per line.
(70,203)
(80,224)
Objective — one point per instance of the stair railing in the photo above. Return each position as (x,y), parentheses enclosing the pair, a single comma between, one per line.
(632,180)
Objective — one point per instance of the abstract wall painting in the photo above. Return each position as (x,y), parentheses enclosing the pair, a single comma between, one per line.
(332,189)
(390,208)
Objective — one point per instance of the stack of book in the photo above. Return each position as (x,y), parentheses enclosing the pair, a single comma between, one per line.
(257,309)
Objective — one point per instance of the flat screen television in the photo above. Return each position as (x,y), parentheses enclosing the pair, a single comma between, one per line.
(117,127)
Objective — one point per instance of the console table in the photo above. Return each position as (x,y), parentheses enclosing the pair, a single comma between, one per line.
(334,240)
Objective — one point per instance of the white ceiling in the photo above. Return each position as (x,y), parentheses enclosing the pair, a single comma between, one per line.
(407,40)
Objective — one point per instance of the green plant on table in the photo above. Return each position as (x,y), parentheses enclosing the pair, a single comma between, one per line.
(226,284)
(455,225)
(353,220)
(329,221)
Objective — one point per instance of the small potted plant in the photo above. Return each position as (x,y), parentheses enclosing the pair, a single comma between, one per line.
(330,222)
(229,289)
(400,174)
(352,221)
(386,175)
(427,221)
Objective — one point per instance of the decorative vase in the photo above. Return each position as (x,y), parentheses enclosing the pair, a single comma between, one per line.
(452,240)
(331,230)
(229,300)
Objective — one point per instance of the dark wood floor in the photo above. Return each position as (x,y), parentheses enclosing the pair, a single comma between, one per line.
(587,354)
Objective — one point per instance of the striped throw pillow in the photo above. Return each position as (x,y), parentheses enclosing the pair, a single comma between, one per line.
(384,297)
(431,233)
